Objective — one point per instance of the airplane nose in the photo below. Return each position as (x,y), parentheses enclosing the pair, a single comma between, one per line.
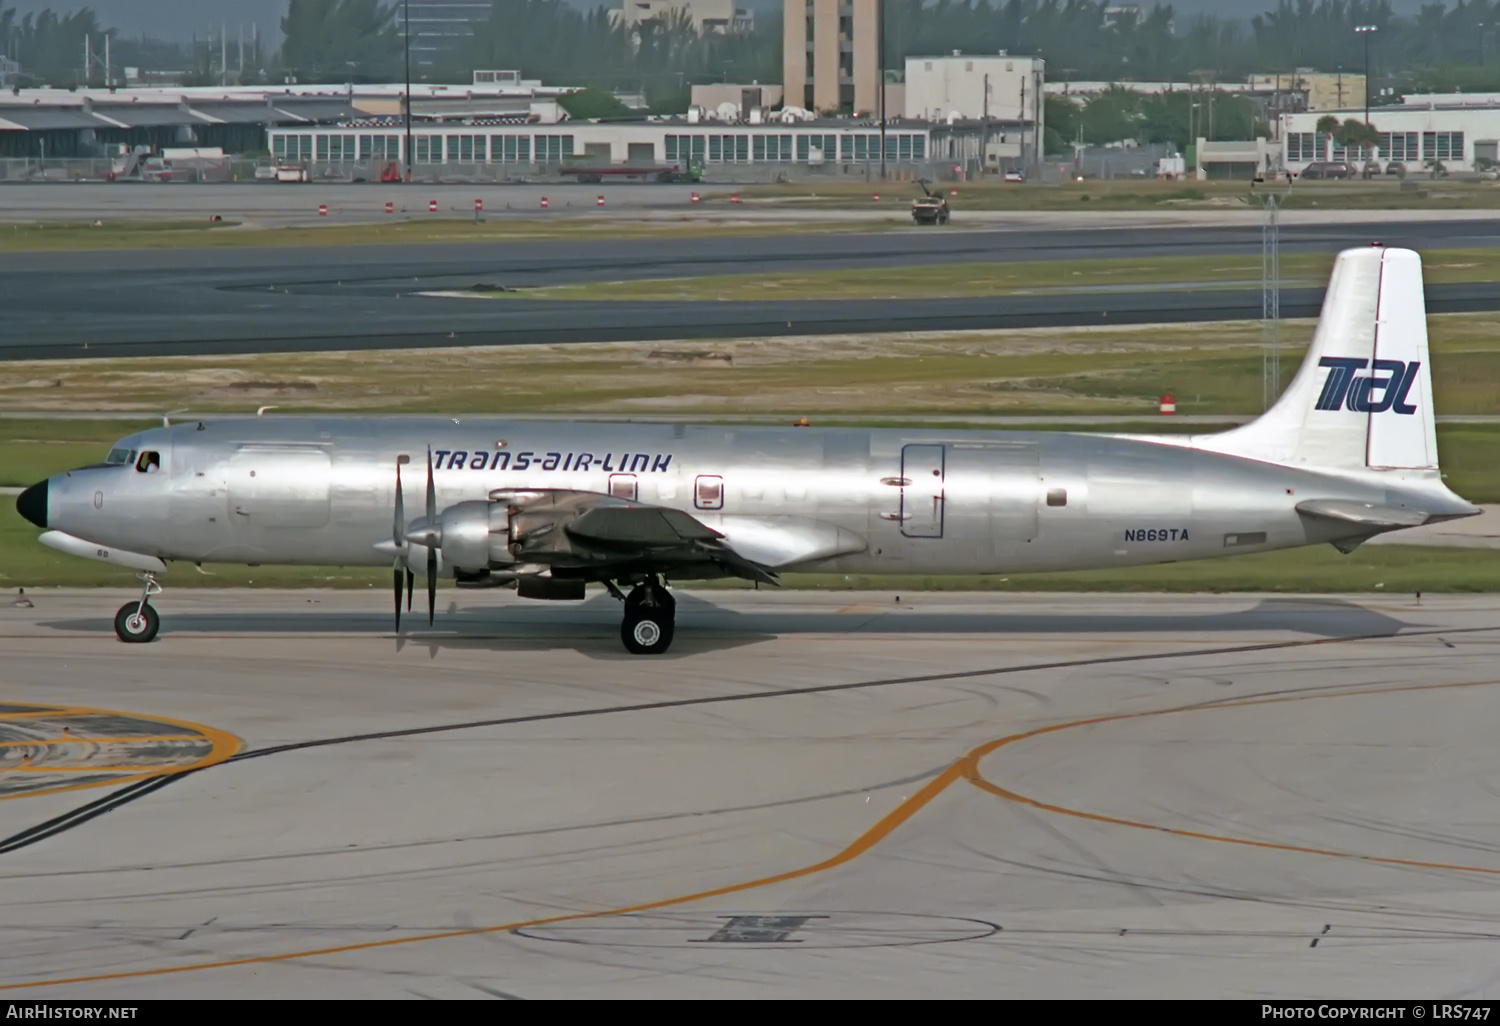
(32,504)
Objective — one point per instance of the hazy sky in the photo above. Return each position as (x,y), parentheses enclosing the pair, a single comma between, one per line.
(171,19)
(177,19)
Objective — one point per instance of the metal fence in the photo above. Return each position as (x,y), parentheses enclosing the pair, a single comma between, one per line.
(100,169)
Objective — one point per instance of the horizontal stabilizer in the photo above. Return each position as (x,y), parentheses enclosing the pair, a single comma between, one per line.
(1364,514)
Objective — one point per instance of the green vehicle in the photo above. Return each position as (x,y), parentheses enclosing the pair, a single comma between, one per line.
(659,172)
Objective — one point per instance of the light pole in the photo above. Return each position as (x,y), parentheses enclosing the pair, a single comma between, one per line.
(406,37)
(1366,31)
(880,76)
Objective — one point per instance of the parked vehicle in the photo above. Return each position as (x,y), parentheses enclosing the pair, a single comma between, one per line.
(1330,170)
(930,207)
(659,172)
(1013,175)
(1396,168)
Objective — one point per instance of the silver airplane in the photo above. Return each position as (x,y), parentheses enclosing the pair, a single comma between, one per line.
(1347,452)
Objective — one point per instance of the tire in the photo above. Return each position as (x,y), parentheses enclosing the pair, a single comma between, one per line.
(646,633)
(136,624)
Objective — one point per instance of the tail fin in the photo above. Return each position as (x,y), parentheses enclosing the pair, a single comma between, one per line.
(1363,396)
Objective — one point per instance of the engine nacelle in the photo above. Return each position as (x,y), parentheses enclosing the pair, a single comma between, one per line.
(475,534)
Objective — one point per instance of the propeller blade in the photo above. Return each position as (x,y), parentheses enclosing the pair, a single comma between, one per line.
(410,580)
(431,584)
(396,575)
(431,492)
(398,526)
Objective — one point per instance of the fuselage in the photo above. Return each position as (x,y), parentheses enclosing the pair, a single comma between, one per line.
(322,490)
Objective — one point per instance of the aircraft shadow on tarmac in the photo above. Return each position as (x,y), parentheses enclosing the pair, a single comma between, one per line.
(591,627)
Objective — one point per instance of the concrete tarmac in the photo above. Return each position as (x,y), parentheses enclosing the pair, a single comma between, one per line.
(218,301)
(812,794)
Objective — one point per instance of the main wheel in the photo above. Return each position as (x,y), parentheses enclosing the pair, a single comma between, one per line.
(646,632)
(136,623)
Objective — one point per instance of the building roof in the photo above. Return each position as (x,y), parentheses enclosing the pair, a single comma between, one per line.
(224,113)
(144,115)
(41,119)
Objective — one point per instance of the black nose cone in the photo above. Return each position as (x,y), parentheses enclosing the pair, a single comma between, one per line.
(32,504)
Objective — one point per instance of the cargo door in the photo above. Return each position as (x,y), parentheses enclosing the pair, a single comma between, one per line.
(276,486)
(922,491)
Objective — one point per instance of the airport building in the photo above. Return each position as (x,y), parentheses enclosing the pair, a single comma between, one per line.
(1460,132)
(498,126)
(1277,92)
(52,123)
(997,91)
(495,147)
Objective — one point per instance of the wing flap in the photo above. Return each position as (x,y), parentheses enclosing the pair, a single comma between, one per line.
(647,526)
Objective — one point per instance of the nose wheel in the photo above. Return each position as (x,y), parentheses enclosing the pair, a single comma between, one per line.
(650,616)
(136,622)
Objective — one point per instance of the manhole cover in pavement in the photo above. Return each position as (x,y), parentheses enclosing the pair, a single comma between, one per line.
(791,929)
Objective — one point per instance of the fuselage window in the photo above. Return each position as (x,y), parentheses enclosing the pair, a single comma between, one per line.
(622,486)
(709,493)
(149,463)
(117,457)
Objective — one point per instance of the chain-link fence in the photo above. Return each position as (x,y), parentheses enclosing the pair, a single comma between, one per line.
(228,169)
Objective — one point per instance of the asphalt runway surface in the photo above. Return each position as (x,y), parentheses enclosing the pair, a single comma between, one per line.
(219,301)
(812,794)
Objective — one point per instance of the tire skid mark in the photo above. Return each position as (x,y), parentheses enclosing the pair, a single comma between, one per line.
(965,768)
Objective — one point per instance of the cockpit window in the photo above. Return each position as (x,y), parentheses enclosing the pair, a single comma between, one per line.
(117,457)
(149,462)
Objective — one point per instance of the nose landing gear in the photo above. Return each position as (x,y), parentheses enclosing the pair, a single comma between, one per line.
(136,622)
(650,616)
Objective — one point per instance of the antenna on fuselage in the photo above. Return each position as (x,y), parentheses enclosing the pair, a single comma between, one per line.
(166,418)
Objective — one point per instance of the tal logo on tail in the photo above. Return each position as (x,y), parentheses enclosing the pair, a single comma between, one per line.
(1384,388)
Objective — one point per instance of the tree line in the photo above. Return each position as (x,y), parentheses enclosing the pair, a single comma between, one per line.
(1442,46)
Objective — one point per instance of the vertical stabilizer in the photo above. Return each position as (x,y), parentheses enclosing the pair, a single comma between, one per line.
(1363,395)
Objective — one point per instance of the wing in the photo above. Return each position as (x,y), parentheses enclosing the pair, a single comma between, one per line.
(585,534)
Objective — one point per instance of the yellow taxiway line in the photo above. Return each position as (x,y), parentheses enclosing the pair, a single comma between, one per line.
(966,768)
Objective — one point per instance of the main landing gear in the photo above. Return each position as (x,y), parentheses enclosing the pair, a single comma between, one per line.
(136,622)
(650,615)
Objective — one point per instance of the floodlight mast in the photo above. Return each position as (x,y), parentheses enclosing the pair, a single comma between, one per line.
(1367,31)
(880,77)
(406,38)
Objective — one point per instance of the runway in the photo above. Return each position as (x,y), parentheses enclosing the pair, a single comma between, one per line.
(813,794)
(212,301)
